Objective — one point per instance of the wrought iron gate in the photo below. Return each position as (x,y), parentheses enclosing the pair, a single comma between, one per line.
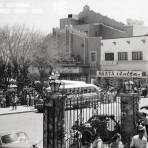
(88,113)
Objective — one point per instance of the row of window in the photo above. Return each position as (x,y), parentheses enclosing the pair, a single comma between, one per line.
(124,56)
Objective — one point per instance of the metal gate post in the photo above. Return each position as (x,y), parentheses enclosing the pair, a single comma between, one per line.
(129,108)
(53,122)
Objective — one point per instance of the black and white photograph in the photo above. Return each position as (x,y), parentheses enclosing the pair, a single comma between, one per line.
(73,74)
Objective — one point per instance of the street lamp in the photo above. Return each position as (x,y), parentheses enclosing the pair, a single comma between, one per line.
(54,83)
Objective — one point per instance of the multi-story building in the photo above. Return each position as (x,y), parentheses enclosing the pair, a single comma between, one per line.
(124,58)
(79,54)
(79,37)
(95,24)
(87,39)
(125,54)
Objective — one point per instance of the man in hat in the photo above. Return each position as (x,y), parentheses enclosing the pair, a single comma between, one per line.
(139,141)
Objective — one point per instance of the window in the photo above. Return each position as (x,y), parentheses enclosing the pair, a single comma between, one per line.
(137,55)
(122,56)
(93,56)
(109,56)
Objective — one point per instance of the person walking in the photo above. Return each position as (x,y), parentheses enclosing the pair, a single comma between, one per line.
(117,143)
(32,99)
(139,140)
(27,99)
(3,101)
(14,102)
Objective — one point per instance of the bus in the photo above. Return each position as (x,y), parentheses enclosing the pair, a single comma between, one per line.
(77,93)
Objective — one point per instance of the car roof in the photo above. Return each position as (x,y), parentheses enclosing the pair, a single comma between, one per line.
(2,133)
(69,84)
(145,107)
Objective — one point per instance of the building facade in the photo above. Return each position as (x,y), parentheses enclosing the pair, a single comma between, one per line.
(90,42)
(79,54)
(124,58)
(95,24)
(79,37)
(125,54)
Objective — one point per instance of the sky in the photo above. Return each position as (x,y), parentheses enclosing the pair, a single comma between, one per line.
(43,15)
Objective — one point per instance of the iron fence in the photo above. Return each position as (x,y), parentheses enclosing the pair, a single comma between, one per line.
(88,113)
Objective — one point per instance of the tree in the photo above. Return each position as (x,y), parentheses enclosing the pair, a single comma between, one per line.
(17,45)
(42,62)
(5,66)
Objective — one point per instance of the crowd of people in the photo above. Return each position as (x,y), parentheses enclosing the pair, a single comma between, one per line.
(13,99)
(138,141)
(108,96)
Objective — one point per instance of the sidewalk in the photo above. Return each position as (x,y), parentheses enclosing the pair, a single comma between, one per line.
(20,109)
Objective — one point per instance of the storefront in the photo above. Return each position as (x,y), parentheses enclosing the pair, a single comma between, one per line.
(116,78)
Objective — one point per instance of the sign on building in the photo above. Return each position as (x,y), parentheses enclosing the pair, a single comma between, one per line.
(125,74)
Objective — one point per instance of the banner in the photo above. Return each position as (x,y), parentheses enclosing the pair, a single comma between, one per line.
(125,74)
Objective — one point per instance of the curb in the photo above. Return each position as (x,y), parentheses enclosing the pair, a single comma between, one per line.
(19,112)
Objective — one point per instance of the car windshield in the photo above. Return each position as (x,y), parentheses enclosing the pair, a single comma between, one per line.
(16,137)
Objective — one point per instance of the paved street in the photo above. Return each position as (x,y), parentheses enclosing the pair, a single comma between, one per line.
(31,123)
(20,109)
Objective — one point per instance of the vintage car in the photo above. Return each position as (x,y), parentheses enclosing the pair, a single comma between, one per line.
(104,125)
(15,140)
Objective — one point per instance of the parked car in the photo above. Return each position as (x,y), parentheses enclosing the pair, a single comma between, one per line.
(143,105)
(144,109)
(15,140)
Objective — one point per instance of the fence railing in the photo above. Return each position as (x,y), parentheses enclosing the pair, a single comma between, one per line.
(88,114)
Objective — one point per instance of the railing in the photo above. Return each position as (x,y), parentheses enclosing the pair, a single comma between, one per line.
(88,113)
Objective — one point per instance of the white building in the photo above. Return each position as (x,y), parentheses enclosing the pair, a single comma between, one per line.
(125,54)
